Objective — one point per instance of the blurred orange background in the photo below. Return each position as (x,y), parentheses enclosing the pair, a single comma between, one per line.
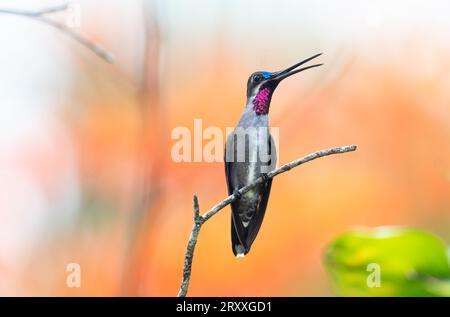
(87,175)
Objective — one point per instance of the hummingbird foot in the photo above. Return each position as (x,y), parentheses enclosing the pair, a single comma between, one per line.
(265,177)
(237,194)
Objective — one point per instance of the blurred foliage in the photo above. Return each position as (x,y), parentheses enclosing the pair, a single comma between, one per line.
(411,262)
(79,137)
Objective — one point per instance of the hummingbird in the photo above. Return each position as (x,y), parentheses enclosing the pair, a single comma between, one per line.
(250,153)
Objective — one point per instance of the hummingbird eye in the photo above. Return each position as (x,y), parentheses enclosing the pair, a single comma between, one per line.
(257,78)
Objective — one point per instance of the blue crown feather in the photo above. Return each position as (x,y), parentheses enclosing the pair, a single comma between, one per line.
(266,74)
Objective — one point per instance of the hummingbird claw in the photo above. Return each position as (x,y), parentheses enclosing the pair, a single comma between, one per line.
(237,194)
(265,177)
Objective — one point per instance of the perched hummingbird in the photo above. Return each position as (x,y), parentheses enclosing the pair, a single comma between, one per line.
(250,153)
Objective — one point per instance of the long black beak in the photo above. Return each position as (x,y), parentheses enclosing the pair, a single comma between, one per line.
(291,70)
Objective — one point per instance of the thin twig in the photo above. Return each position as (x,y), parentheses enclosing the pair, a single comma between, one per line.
(54,9)
(199,220)
(40,15)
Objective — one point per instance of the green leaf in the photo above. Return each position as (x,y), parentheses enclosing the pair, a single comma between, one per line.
(388,261)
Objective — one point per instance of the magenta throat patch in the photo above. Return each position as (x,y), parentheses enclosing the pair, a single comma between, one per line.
(261,101)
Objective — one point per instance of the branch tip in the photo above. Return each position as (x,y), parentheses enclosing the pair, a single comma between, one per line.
(197,216)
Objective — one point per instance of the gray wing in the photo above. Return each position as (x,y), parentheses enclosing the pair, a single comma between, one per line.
(247,212)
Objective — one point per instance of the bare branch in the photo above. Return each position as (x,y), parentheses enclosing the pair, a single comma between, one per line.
(40,15)
(200,220)
(54,9)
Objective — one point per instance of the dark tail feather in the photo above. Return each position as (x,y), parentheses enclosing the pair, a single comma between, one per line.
(239,250)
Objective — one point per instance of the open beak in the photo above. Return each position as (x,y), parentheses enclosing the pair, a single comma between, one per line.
(291,70)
